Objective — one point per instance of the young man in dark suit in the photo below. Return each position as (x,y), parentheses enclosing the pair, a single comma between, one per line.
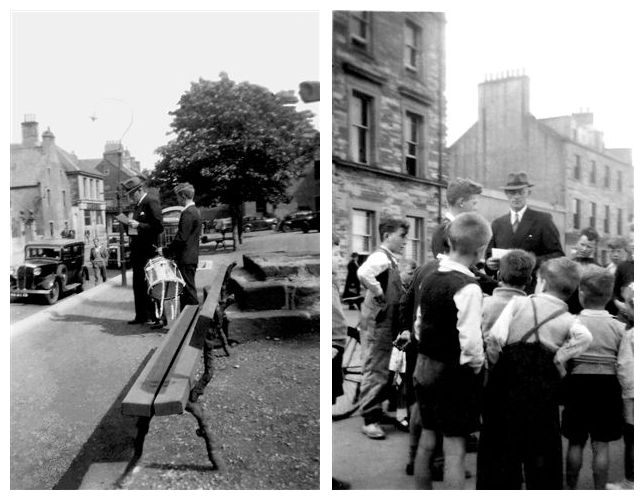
(523,227)
(184,246)
(144,227)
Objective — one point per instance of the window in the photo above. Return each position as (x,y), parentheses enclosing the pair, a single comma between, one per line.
(619,181)
(86,187)
(92,189)
(64,199)
(362,231)
(414,240)
(576,213)
(607,176)
(87,218)
(593,172)
(413,133)
(48,197)
(607,219)
(361,112)
(99,218)
(620,220)
(360,28)
(577,172)
(593,218)
(412,43)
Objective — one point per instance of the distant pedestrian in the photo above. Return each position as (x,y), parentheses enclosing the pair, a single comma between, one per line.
(352,286)
(447,375)
(592,394)
(527,350)
(584,255)
(380,275)
(98,258)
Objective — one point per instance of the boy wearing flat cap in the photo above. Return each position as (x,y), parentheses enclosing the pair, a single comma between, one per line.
(184,246)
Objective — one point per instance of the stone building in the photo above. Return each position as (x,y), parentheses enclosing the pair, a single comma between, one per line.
(51,189)
(580,181)
(388,128)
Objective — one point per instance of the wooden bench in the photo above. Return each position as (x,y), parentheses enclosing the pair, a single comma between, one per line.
(167,384)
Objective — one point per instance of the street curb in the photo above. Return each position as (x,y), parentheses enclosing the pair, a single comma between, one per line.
(26,324)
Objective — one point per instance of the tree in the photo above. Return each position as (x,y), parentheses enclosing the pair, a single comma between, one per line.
(235,142)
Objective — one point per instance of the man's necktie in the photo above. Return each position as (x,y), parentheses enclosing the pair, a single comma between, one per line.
(515,223)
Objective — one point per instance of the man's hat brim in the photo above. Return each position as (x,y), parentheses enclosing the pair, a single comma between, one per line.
(515,187)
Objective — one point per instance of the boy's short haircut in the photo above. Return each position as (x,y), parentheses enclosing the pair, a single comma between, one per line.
(390,224)
(562,275)
(516,267)
(597,285)
(591,234)
(468,232)
(462,188)
(618,242)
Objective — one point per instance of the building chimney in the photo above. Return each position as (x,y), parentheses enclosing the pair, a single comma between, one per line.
(48,139)
(30,131)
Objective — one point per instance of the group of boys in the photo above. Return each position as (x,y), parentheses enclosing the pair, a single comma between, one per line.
(500,364)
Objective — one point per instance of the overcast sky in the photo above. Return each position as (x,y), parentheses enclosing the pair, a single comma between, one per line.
(577,57)
(69,66)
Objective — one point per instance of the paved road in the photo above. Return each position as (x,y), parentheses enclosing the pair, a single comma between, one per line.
(70,366)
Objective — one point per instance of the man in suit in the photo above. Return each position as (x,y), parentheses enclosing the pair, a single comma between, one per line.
(184,246)
(143,228)
(523,227)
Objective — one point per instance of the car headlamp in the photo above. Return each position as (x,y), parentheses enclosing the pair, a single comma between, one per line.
(37,271)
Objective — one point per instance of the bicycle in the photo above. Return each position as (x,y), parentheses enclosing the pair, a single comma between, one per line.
(348,403)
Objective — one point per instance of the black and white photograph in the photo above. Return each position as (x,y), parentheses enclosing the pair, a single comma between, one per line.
(164,204)
(482,232)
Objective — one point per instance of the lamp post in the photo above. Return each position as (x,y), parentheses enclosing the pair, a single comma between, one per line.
(121,234)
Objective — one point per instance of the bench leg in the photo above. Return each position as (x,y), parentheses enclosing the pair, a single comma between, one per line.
(203,431)
(208,369)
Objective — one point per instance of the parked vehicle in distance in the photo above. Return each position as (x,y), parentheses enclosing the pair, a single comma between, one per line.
(113,252)
(304,220)
(273,221)
(256,223)
(51,268)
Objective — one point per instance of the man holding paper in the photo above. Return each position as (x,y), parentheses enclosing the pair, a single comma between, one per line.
(523,227)
(143,228)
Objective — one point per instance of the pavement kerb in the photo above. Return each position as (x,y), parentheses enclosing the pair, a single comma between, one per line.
(71,302)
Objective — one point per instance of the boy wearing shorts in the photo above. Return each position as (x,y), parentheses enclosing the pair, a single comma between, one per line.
(593,398)
(527,348)
(450,352)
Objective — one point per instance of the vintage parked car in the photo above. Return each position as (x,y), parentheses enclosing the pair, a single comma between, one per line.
(304,221)
(51,268)
(113,252)
(257,223)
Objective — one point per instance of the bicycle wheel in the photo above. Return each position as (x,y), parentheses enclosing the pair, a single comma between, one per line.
(348,403)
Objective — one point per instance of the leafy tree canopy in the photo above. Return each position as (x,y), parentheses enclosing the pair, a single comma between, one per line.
(235,142)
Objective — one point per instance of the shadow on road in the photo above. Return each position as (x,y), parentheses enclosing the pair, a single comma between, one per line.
(116,327)
(111,441)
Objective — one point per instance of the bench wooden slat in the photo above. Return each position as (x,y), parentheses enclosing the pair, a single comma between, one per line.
(139,399)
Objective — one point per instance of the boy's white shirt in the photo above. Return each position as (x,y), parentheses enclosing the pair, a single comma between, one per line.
(577,342)
(375,264)
(468,301)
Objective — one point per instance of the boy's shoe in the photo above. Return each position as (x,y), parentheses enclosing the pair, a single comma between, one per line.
(373,431)
(625,484)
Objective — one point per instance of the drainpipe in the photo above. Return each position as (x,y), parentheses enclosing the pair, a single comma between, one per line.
(440,89)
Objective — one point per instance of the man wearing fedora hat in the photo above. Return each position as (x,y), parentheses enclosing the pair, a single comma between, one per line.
(144,227)
(523,227)
(184,246)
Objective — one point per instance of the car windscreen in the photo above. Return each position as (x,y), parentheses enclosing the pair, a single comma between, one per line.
(43,253)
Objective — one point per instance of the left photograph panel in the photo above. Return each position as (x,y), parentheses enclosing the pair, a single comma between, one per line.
(164,215)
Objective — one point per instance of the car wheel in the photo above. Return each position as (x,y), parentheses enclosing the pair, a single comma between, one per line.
(305,227)
(275,226)
(247,229)
(287,228)
(54,294)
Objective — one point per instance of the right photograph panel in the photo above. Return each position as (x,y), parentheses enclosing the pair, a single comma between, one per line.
(482,203)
